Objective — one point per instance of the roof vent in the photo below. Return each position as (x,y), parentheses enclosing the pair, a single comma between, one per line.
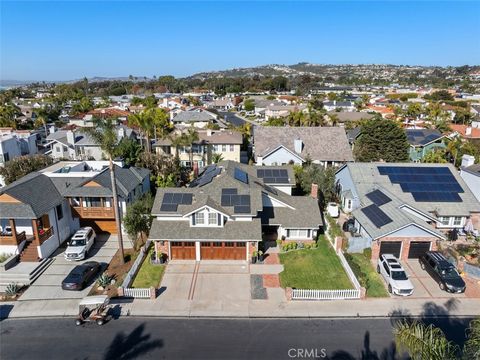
(298,146)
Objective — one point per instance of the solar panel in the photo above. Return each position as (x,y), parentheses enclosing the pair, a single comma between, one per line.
(376,215)
(241,209)
(436,196)
(283,173)
(226,200)
(378,197)
(229,191)
(260,173)
(241,175)
(167,198)
(186,199)
(168,207)
(177,198)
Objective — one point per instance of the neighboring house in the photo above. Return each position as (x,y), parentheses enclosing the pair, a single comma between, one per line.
(403,209)
(15,143)
(352,136)
(294,145)
(87,187)
(422,141)
(224,212)
(385,112)
(223,104)
(199,118)
(345,117)
(465,131)
(278,111)
(35,218)
(78,145)
(339,105)
(223,142)
(261,105)
(470,173)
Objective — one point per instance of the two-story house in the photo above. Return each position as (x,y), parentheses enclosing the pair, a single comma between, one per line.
(423,141)
(224,212)
(404,208)
(198,118)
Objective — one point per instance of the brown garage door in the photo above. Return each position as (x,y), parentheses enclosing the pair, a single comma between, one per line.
(183,250)
(222,250)
(100,226)
(418,248)
(391,247)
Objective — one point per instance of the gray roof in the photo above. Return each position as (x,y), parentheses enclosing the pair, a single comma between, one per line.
(320,143)
(422,137)
(309,218)
(193,116)
(181,230)
(353,134)
(37,194)
(473,169)
(338,103)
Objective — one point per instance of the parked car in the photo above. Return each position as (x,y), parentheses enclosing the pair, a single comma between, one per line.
(333,210)
(80,243)
(80,276)
(442,271)
(395,276)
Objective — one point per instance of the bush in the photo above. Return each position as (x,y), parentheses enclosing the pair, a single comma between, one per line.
(300,245)
(285,247)
(367,253)
(12,289)
(308,246)
(314,245)
(357,270)
(104,280)
(279,242)
(4,256)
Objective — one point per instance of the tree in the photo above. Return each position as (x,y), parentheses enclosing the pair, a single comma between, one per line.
(249,105)
(151,122)
(23,165)
(440,95)
(84,105)
(323,177)
(167,180)
(128,150)
(138,218)
(216,158)
(8,114)
(381,139)
(435,156)
(161,166)
(104,134)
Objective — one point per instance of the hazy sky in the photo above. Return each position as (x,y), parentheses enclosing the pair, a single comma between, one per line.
(65,40)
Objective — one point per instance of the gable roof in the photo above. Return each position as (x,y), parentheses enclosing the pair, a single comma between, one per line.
(422,137)
(37,196)
(320,143)
(194,116)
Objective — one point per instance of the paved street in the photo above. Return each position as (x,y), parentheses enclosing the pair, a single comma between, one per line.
(48,285)
(145,338)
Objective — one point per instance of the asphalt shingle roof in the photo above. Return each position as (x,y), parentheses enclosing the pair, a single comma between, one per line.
(421,137)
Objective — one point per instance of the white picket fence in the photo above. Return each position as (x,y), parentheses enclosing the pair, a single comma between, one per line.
(133,270)
(142,293)
(348,270)
(310,294)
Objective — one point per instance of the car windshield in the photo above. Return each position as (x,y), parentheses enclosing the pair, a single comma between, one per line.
(399,275)
(450,272)
(77,242)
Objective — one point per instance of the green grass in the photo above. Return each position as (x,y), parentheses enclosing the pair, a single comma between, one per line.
(148,275)
(367,275)
(314,269)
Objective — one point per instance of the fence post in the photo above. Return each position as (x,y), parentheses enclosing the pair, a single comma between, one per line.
(153,293)
(288,293)
(120,292)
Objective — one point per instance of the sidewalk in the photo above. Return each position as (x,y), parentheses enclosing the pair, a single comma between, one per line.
(274,307)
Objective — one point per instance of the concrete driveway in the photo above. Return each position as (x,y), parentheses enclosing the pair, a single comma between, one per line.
(48,285)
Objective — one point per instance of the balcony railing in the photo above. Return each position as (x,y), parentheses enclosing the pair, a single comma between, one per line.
(94,212)
(45,234)
(12,239)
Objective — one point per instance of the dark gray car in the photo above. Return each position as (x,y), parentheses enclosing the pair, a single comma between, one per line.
(81,275)
(442,271)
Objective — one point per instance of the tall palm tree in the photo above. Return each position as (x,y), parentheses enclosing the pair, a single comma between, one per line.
(424,342)
(104,134)
(151,121)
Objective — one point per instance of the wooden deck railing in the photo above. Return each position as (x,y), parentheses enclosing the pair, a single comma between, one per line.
(95,212)
(45,234)
(12,239)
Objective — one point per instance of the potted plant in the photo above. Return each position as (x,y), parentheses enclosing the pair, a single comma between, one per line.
(254,257)
(260,256)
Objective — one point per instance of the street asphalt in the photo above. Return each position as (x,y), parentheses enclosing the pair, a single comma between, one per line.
(153,338)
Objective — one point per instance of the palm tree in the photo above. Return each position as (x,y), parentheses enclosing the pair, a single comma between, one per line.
(104,134)
(152,121)
(191,137)
(423,342)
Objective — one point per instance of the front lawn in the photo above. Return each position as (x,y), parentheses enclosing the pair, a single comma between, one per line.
(149,274)
(367,275)
(318,268)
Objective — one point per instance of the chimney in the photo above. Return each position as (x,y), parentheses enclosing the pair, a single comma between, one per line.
(70,137)
(314,191)
(209,132)
(298,146)
(468,131)
(467,160)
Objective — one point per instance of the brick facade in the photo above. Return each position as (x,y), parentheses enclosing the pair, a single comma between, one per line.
(162,248)
(252,246)
(405,245)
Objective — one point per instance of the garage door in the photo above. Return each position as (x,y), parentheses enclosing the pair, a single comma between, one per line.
(418,248)
(217,250)
(101,226)
(391,247)
(183,250)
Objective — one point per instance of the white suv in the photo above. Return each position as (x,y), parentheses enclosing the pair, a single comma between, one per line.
(80,243)
(393,273)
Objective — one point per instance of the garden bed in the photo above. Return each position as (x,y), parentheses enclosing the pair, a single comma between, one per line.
(318,268)
(366,274)
(149,274)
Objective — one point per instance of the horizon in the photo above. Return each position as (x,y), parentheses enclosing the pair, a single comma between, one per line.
(88,40)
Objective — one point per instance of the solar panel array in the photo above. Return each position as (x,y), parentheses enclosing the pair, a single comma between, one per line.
(376,215)
(172,200)
(241,175)
(240,203)
(378,197)
(206,176)
(421,137)
(273,176)
(426,184)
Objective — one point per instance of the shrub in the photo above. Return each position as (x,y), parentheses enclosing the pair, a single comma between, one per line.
(367,253)
(314,245)
(357,270)
(12,289)
(279,242)
(4,256)
(308,246)
(104,280)
(285,247)
(300,245)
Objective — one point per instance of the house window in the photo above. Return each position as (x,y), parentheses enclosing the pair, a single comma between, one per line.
(212,218)
(349,204)
(215,148)
(6,157)
(199,218)
(297,233)
(232,148)
(224,148)
(93,202)
(443,220)
(457,221)
(59,212)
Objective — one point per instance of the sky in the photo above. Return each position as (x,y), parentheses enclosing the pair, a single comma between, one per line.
(65,40)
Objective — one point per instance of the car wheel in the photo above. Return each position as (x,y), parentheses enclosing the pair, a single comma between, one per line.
(390,289)
(442,286)
(378,269)
(422,265)
(100,322)
(78,322)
